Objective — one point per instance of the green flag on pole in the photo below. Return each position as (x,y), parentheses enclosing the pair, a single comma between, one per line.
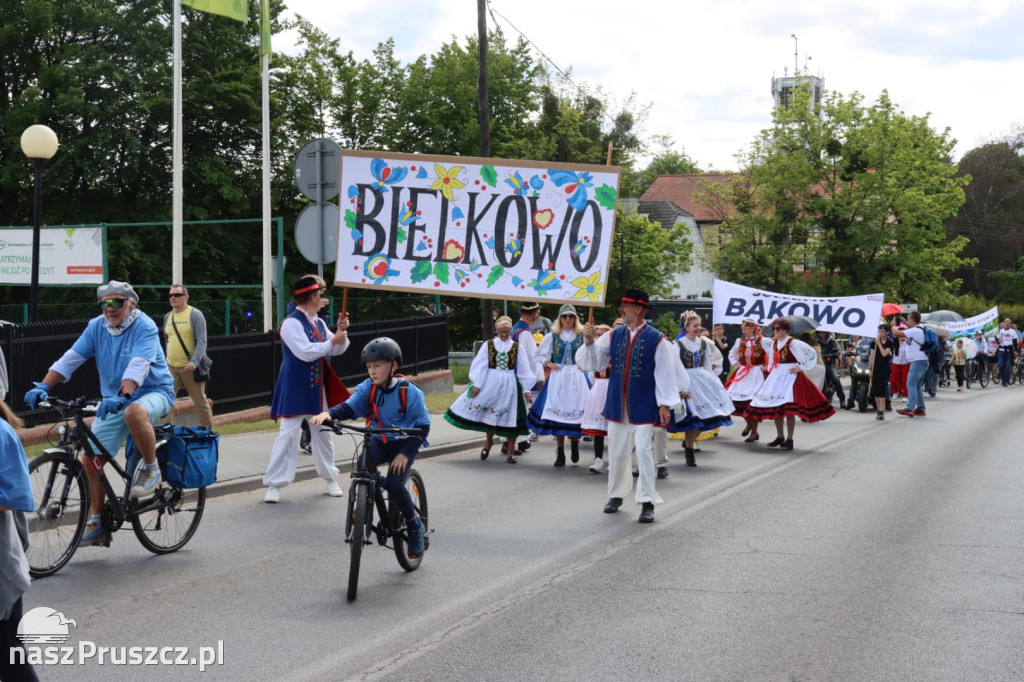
(265,27)
(234,9)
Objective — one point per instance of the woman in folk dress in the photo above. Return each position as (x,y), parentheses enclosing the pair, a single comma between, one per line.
(749,357)
(594,424)
(787,393)
(709,406)
(495,402)
(558,410)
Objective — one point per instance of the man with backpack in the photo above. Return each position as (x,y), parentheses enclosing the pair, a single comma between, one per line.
(919,343)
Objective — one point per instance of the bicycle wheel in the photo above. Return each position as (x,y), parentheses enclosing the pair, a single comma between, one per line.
(167,521)
(358,515)
(418,491)
(983,379)
(60,493)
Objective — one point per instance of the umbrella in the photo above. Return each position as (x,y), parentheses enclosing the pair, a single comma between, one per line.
(939,331)
(801,324)
(891,309)
(940,316)
(970,347)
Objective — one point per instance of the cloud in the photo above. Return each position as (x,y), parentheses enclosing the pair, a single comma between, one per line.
(706,67)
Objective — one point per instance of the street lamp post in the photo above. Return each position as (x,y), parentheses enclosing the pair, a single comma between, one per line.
(39,144)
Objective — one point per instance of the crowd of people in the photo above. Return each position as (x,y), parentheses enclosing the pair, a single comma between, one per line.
(627,386)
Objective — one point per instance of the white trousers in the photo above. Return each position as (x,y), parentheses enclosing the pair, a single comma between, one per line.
(659,448)
(285,455)
(623,438)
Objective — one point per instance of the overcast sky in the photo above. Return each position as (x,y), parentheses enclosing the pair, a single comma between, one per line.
(706,67)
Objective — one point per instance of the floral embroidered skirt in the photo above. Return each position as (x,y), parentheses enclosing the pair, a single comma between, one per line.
(594,423)
(785,394)
(499,406)
(558,410)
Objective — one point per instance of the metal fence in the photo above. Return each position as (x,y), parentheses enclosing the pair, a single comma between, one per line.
(245,366)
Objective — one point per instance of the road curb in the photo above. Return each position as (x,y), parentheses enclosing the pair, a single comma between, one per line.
(243,484)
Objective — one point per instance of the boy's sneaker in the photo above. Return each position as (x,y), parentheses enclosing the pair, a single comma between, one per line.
(598,466)
(273,495)
(93,536)
(905,413)
(333,489)
(919,413)
(146,481)
(415,543)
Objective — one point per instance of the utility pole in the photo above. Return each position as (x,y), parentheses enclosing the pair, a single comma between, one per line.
(486,308)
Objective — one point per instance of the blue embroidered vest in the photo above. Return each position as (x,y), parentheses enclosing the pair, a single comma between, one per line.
(519,326)
(631,378)
(300,385)
(559,347)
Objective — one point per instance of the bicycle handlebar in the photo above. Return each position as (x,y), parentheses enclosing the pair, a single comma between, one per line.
(82,403)
(338,427)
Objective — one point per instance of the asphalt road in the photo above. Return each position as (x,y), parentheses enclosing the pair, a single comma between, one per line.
(875,551)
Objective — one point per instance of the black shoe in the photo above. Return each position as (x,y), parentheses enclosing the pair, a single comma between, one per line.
(848,406)
(484,453)
(754,439)
(777,442)
(880,416)
(559,458)
(662,472)
(746,432)
(888,407)
(647,513)
(788,445)
(524,446)
(511,459)
(636,474)
(574,451)
(691,460)
(613,505)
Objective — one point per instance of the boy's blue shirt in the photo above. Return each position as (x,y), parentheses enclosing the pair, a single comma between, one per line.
(388,405)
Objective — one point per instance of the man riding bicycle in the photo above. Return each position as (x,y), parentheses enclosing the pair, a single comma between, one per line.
(387,400)
(136,386)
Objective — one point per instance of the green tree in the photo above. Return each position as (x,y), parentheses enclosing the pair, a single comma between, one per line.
(647,256)
(862,191)
(667,161)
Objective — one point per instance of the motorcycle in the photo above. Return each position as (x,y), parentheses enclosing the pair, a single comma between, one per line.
(859,374)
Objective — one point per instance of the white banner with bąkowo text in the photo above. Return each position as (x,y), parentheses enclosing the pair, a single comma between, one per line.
(843,314)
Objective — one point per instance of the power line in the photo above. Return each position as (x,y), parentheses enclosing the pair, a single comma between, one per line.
(560,71)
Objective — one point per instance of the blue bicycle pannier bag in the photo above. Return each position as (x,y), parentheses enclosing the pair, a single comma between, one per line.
(189,459)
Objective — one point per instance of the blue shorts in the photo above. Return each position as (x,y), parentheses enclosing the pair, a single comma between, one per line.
(112,431)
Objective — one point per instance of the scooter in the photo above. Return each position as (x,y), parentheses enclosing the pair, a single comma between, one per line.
(859,374)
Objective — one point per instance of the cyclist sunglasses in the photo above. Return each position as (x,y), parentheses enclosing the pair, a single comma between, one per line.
(115,303)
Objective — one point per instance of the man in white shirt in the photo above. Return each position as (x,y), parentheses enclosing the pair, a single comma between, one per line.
(918,361)
(1006,338)
(644,385)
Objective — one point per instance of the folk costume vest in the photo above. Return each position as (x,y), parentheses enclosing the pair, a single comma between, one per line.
(751,352)
(558,348)
(693,359)
(631,377)
(300,384)
(500,359)
(518,327)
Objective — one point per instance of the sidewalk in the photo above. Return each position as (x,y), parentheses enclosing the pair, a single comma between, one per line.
(243,458)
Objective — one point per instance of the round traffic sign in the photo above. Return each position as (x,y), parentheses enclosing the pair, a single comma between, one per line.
(321,155)
(316,233)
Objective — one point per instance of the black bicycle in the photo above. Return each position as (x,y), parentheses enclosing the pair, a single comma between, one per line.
(163,523)
(367,493)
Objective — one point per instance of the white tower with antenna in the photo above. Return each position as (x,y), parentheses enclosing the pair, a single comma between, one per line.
(784,87)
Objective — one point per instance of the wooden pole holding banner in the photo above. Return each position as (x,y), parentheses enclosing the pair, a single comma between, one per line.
(608,162)
(344,301)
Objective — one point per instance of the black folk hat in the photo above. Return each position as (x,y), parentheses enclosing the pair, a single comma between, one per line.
(529,307)
(636,297)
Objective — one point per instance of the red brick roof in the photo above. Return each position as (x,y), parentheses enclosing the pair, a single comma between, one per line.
(679,189)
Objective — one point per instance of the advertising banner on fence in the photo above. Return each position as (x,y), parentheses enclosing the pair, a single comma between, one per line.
(843,314)
(67,255)
(488,228)
(987,322)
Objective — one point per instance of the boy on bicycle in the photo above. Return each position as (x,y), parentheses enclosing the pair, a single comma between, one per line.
(388,400)
(137,389)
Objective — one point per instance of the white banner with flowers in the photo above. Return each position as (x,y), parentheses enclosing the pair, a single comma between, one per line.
(488,228)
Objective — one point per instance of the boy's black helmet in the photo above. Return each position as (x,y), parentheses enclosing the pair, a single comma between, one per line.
(381,348)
